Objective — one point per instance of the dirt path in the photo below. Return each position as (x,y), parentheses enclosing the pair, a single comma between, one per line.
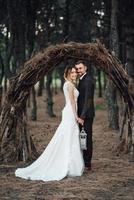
(112,177)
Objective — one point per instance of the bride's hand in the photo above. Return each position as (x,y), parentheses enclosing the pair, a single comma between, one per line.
(80,121)
(77,119)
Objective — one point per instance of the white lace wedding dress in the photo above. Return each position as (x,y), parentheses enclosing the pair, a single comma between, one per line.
(63,156)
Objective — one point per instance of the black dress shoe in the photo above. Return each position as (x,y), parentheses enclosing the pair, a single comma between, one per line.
(88,168)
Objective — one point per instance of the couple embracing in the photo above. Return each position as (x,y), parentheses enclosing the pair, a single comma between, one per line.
(63,155)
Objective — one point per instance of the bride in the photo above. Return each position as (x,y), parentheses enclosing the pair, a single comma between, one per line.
(62,156)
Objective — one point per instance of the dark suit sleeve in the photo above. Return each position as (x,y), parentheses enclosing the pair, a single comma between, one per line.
(88,96)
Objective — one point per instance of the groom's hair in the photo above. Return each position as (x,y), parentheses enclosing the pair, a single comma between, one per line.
(81,61)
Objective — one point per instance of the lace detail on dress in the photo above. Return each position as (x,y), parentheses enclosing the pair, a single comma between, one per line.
(71,95)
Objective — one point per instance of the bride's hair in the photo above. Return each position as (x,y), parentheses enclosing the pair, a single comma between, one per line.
(67,71)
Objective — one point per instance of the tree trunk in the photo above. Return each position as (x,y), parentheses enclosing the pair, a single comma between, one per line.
(40,87)
(111,97)
(34,105)
(5,85)
(17,21)
(111,90)
(130,49)
(99,83)
(1,79)
(66,20)
(49,96)
(130,70)
(55,86)
(105,81)
(1,91)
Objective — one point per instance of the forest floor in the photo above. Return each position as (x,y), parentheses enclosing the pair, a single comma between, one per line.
(111,178)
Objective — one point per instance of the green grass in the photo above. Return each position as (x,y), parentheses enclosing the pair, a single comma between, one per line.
(100,106)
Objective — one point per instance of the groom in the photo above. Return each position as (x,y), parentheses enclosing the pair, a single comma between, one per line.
(86,111)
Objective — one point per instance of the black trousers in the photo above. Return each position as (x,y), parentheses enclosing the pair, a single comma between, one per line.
(87,154)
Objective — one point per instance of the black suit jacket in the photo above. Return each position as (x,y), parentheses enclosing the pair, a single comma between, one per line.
(86,97)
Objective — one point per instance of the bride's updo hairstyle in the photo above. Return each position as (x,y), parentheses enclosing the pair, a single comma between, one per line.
(67,71)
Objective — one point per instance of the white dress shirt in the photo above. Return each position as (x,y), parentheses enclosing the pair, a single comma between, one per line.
(82,76)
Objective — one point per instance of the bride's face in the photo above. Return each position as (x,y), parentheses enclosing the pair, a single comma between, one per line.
(73,75)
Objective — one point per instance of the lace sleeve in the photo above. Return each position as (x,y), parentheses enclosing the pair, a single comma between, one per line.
(72,98)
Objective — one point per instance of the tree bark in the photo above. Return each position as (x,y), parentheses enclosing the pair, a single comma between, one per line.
(111,97)
(1,91)
(1,79)
(40,87)
(130,70)
(34,105)
(111,90)
(49,96)
(99,83)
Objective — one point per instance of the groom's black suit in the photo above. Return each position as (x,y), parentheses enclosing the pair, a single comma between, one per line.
(86,112)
